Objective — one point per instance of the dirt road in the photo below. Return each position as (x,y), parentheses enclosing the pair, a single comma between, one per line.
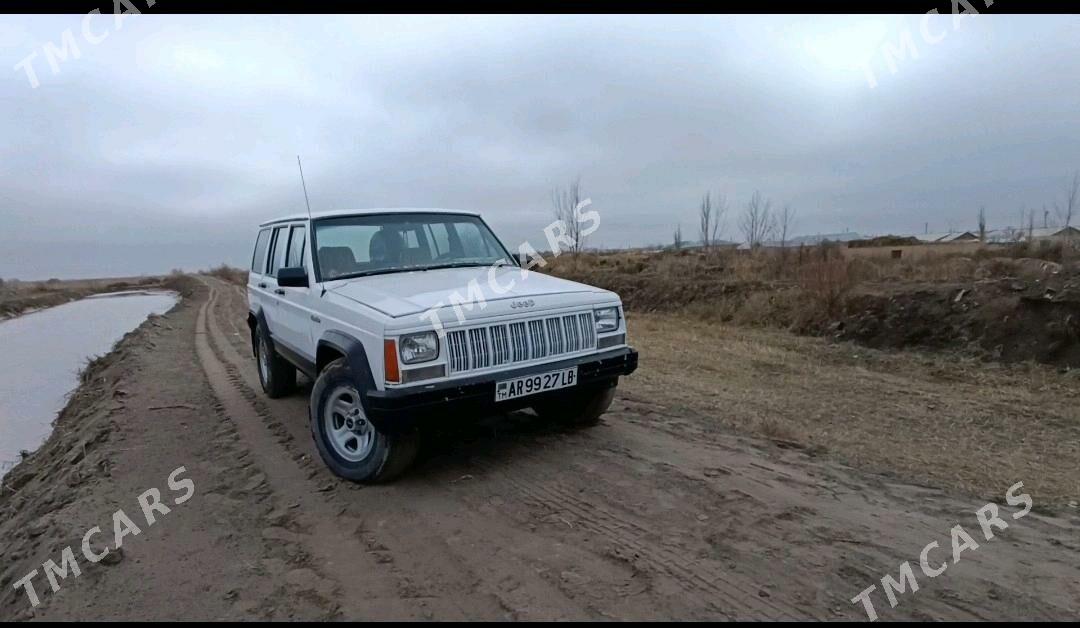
(647,516)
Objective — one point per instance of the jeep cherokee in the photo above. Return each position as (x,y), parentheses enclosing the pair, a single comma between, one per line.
(403,316)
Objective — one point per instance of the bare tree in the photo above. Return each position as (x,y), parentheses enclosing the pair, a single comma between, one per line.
(1031,225)
(677,238)
(1072,199)
(757,221)
(565,202)
(705,219)
(711,216)
(720,209)
(785,221)
(982,223)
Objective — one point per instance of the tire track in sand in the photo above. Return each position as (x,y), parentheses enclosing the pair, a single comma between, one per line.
(340,546)
(426,536)
(709,589)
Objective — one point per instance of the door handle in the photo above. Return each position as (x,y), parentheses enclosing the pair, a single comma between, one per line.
(262,284)
(279,291)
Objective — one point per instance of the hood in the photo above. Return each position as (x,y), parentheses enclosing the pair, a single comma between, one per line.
(414,292)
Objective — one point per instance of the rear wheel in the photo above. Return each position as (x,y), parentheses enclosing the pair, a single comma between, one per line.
(348,442)
(578,409)
(276,374)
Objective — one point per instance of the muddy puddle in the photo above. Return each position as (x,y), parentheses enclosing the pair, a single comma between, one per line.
(41,354)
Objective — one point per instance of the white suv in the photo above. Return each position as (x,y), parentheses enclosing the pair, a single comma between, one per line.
(406,316)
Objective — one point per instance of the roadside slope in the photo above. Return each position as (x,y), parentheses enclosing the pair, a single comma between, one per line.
(142,411)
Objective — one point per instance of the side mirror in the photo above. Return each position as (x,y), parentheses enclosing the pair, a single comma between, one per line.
(295,277)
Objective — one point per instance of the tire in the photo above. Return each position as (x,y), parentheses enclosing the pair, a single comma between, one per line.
(276,374)
(578,410)
(347,441)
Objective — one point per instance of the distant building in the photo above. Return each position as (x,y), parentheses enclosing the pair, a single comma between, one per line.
(995,236)
(1012,235)
(952,236)
(963,236)
(1008,235)
(807,240)
(696,244)
(1052,234)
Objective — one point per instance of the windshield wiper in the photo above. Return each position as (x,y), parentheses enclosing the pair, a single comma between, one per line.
(380,271)
(404,269)
(454,265)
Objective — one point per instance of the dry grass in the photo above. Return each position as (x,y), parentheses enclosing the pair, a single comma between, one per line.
(939,419)
(228,273)
(825,283)
(799,289)
(933,419)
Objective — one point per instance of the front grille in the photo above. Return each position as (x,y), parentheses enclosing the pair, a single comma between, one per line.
(520,341)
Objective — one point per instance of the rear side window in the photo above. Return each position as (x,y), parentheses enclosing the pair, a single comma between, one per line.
(296,248)
(258,261)
(277,249)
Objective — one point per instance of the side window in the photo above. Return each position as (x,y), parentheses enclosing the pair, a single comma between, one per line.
(258,260)
(297,243)
(277,249)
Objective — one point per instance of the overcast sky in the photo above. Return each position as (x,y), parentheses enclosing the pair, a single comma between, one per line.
(164,144)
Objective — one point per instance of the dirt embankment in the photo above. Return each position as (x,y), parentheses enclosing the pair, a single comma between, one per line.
(19,297)
(1013,319)
(995,308)
(80,453)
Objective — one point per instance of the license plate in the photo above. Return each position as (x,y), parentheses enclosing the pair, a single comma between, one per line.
(532,384)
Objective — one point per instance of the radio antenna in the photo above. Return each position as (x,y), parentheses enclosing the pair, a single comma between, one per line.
(308,203)
(304,186)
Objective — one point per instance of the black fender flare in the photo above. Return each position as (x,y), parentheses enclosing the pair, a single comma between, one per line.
(356,357)
(354,353)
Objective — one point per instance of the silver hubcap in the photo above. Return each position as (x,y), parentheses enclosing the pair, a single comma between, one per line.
(347,428)
(264,360)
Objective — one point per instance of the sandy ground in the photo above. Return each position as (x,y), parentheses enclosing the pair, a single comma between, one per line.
(666,510)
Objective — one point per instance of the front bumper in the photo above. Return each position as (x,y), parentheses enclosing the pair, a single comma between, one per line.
(395,408)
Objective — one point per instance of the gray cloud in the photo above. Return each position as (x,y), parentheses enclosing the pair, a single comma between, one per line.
(162,145)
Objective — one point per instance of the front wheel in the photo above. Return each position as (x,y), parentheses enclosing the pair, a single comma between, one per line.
(348,442)
(578,409)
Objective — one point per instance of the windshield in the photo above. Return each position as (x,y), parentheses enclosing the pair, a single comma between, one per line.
(353,246)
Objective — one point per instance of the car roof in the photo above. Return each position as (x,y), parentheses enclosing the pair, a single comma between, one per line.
(372,210)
